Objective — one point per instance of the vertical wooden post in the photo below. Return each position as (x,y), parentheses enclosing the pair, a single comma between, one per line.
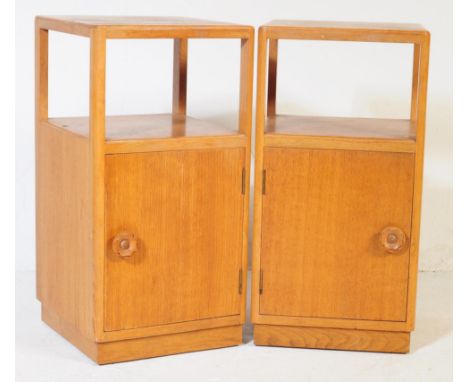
(245,127)
(272,75)
(97,108)
(179,88)
(42,74)
(418,116)
(414,88)
(246,86)
(42,113)
(259,137)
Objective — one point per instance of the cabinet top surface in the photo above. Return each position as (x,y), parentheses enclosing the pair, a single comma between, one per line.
(346,25)
(346,31)
(155,21)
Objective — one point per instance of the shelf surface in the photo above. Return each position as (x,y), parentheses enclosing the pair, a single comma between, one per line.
(372,128)
(148,126)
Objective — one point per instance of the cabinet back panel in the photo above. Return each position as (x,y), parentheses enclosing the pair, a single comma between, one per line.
(185,208)
(322,214)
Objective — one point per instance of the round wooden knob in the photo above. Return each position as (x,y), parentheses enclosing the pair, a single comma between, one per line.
(124,244)
(393,239)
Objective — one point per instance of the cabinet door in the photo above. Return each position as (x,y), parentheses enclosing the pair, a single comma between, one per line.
(323,212)
(185,209)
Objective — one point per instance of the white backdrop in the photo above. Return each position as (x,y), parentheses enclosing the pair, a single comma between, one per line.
(370,80)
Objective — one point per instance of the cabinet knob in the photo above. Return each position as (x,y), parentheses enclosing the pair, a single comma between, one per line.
(124,244)
(393,239)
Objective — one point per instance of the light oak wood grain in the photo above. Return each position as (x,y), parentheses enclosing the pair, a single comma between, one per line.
(144,27)
(272,74)
(372,134)
(146,126)
(245,128)
(138,348)
(174,285)
(337,339)
(340,143)
(397,129)
(41,113)
(321,250)
(63,227)
(97,121)
(420,117)
(345,31)
(282,197)
(179,87)
(189,248)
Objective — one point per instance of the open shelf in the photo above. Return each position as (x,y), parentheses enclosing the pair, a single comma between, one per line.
(155,132)
(339,132)
(147,126)
(341,127)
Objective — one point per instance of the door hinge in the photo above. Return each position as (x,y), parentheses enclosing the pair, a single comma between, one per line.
(263,182)
(240,281)
(243,181)
(260,284)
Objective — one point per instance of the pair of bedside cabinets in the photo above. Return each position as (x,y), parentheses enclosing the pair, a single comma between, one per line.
(142,221)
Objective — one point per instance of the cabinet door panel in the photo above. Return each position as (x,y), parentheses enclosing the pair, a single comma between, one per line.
(322,214)
(185,208)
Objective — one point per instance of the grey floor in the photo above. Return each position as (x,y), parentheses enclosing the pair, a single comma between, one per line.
(42,355)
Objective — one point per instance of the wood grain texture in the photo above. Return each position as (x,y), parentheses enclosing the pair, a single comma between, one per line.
(41,113)
(272,76)
(138,348)
(420,115)
(344,31)
(258,194)
(177,144)
(189,234)
(147,347)
(179,83)
(384,139)
(63,213)
(97,134)
(371,134)
(193,199)
(327,322)
(139,21)
(146,126)
(370,27)
(245,128)
(339,143)
(330,338)
(396,129)
(144,27)
(321,254)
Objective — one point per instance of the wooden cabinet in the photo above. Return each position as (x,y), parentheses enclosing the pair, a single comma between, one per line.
(142,220)
(337,210)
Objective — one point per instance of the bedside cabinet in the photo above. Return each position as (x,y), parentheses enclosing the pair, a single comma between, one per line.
(337,209)
(142,220)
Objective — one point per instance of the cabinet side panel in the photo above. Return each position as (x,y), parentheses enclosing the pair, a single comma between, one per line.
(64,257)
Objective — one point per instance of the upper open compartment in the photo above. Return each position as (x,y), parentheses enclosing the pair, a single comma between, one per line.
(158,83)
(345,85)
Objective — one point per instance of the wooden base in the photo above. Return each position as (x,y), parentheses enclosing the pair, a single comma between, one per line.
(138,348)
(328,338)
